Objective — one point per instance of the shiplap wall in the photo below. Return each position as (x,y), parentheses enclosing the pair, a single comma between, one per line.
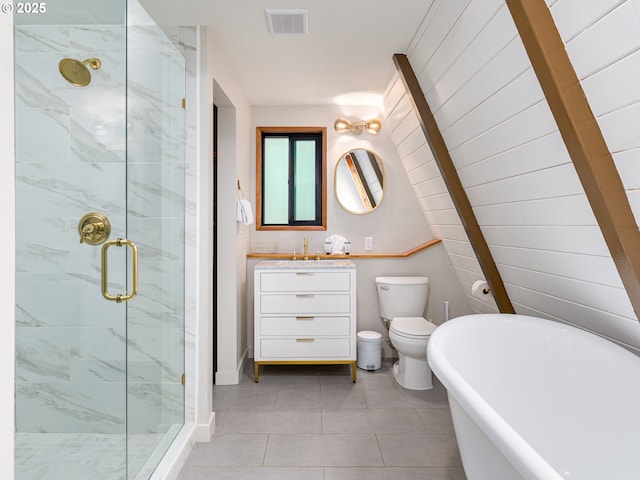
(506,147)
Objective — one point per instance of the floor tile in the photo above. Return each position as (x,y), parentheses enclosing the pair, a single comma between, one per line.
(259,473)
(386,473)
(457,473)
(384,420)
(306,397)
(270,421)
(419,450)
(229,450)
(244,396)
(398,397)
(313,423)
(189,473)
(436,420)
(322,450)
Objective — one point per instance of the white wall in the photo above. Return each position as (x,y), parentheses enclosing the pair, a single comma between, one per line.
(7,247)
(234,116)
(396,225)
(398,211)
(506,147)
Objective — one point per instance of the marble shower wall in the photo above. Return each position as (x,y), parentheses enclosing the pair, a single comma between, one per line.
(71,154)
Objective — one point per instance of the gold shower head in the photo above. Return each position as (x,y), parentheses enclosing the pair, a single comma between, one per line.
(76,72)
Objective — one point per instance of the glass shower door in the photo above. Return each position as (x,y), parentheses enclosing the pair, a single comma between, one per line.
(98,383)
(155,218)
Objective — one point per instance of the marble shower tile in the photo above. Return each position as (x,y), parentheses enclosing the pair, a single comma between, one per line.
(155,354)
(154,407)
(49,191)
(98,134)
(151,194)
(94,39)
(156,134)
(37,80)
(64,300)
(41,38)
(98,354)
(68,407)
(42,354)
(43,243)
(42,135)
(159,299)
(53,456)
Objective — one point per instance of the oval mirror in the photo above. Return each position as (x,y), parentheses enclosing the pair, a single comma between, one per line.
(359,181)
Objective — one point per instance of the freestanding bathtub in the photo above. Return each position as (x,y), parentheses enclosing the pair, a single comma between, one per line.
(537,399)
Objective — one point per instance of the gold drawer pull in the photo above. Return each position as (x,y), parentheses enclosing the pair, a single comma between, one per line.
(304,295)
(305,318)
(304,273)
(305,339)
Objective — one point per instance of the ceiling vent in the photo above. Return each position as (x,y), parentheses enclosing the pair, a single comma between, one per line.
(287,20)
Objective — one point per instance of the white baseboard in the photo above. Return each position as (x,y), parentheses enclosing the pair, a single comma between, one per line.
(203,432)
(231,377)
(177,454)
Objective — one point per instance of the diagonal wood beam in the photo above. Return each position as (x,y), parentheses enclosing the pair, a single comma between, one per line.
(583,138)
(453,183)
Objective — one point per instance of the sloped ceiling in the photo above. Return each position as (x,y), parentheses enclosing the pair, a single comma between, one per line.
(508,152)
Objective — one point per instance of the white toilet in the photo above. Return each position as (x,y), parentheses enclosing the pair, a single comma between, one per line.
(402,301)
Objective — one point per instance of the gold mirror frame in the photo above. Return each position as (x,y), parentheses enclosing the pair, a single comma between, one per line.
(359,181)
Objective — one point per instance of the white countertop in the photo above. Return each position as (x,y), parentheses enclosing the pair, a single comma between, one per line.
(306,264)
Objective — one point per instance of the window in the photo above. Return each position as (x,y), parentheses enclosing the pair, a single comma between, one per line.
(291,178)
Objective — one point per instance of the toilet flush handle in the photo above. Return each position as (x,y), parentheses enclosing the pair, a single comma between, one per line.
(384,287)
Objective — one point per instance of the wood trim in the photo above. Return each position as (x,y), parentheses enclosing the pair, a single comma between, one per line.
(453,183)
(258,213)
(408,253)
(583,138)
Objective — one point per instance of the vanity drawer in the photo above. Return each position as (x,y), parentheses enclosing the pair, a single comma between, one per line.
(305,325)
(304,348)
(302,303)
(303,281)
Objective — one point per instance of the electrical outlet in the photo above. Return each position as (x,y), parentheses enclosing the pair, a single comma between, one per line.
(368,244)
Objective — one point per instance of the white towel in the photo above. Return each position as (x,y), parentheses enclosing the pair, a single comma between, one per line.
(245,214)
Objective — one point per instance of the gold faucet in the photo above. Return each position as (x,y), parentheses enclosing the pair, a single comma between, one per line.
(306,248)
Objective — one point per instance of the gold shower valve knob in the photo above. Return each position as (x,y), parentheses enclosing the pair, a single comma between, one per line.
(94,228)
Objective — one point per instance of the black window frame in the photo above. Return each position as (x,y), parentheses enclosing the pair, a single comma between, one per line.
(293,134)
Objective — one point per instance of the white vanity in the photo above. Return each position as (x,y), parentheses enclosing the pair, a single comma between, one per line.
(305,313)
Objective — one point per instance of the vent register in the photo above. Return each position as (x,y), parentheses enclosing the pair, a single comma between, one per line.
(287,21)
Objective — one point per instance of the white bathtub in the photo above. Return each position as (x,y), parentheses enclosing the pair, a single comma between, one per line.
(537,399)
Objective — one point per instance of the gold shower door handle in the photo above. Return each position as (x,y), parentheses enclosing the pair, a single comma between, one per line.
(134,270)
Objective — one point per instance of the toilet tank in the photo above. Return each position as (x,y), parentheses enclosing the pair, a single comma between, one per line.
(402,296)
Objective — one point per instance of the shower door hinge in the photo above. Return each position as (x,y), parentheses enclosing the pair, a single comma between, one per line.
(184,103)
(184,379)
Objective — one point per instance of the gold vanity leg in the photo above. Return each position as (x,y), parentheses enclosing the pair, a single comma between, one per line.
(353,372)
(255,371)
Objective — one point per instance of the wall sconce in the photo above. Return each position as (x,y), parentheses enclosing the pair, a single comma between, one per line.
(372,126)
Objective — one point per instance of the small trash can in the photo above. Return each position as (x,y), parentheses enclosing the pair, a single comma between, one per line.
(369,345)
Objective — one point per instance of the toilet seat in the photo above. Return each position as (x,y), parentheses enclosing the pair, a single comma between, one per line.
(412,327)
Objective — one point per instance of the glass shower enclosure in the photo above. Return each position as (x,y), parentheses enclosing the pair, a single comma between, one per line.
(100,172)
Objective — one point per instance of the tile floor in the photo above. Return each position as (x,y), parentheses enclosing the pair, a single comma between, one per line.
(313,423)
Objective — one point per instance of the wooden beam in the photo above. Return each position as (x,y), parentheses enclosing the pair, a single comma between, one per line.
(453,183)
(356,175)
(583,138)
(376,168)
